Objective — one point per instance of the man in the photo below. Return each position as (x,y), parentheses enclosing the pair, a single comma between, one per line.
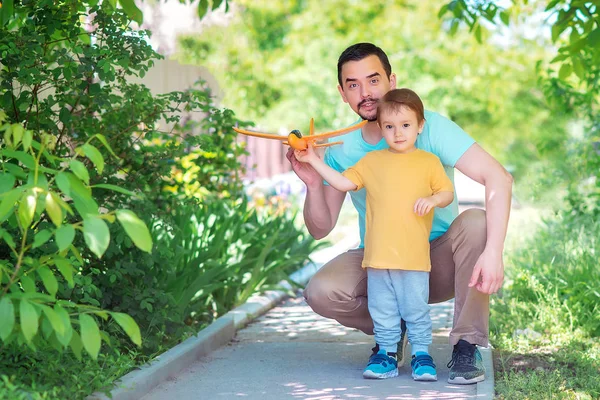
(466,249)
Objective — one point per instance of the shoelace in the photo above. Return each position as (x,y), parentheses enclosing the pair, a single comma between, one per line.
(462,356)
(424,361)
(379,359)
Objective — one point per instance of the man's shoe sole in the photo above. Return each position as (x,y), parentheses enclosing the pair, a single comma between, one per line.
(372,375)
(459,380)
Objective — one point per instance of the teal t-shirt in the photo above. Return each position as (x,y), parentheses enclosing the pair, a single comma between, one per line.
(440,136)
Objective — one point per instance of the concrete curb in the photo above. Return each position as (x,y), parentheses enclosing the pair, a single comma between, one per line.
(139,382)
(485,389)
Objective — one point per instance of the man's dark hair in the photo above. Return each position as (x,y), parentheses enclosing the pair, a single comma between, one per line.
(357,52)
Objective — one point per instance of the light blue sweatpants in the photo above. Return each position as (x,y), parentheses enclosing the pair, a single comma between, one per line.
(395,294)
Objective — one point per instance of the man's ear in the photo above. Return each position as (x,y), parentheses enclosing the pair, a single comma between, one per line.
(342,94)
(392,81)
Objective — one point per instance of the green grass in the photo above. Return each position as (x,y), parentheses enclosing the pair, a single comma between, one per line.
(552,289)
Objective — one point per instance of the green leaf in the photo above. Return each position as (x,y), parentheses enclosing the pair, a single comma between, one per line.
(23,157)
(80,170)
(102,139)
(41,237)
(7,317)
(202,8)
(565,71)
(64,236)
(7,182)
(54,209)
(64,116)
(115,188)
(55,320)
(7,238)
(478,33)
(28,284)
(48,279)
(27,139)
(136,229)
(132,11)
(129,326)
(63,183)
(76,344)
(7,11)
(26,209)
(578,67)
(216,4)
(96,235)
(594,38)
(90,335)
(17,133)
(65,338)
(29,320)
(95,156)
(505,17)
(66,269)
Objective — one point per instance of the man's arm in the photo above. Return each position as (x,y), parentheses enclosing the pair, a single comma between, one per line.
(480,166)
(322,204)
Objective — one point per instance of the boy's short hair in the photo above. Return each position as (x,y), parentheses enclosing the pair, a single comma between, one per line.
(359,51)
(395,99)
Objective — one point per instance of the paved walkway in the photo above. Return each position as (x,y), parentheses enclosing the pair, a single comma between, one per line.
(292,353)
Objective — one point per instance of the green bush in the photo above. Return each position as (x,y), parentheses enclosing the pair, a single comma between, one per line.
(553,280)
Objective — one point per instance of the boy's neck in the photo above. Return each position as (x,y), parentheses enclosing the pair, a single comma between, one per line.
(371,133)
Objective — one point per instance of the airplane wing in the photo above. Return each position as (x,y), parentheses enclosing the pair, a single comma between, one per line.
(260,135)
(326,135)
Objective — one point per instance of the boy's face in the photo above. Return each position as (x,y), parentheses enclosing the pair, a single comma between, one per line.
(364,82)
(400,129)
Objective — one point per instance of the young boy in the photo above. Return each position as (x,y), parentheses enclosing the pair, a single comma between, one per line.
(403,187)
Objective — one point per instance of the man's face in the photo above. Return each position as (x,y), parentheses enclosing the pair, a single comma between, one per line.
(364,82)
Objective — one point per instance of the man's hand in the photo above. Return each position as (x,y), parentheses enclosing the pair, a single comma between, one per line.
(304,170)
(424,205)
(488,273)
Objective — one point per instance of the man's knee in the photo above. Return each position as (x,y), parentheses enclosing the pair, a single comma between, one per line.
(317,294)
(473,227)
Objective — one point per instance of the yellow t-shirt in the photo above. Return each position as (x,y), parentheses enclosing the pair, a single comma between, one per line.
(396,237)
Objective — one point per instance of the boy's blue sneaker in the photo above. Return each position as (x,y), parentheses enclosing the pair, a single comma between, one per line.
(401,352)
(381,366)
(423,368)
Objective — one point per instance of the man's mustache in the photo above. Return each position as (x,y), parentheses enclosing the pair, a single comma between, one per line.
(367,100)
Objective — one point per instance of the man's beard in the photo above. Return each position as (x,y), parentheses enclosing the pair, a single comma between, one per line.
(372,115)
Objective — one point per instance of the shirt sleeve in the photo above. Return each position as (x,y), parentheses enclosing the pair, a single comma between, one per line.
(356,174)
(448,140)
(439,180)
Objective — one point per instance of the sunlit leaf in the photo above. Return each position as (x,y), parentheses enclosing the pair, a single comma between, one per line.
(129,326)
(90,335)
(96,235)
(28,319)
(7,317)
(136,229)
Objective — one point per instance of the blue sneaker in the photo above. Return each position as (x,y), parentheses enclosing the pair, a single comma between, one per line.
(423,368)
(401,352)
(381,366)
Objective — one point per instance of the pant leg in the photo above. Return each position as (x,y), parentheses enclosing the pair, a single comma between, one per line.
(412,292)
(383,307)
(453,256)
(339,291)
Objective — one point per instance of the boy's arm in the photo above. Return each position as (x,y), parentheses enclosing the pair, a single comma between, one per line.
(334,178)
(442,199)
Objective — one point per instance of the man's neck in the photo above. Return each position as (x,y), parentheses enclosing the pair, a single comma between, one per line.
(371,133)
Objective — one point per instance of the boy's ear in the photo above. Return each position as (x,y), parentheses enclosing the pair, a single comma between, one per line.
(421,126)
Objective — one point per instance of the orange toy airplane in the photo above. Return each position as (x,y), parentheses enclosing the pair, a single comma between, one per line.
(298,142)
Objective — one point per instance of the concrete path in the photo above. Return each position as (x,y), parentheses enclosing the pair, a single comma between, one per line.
(292,353)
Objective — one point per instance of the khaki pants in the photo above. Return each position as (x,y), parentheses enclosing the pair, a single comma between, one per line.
(339,289)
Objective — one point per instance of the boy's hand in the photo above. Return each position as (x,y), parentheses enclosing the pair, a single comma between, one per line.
(307,156)
(424,205)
